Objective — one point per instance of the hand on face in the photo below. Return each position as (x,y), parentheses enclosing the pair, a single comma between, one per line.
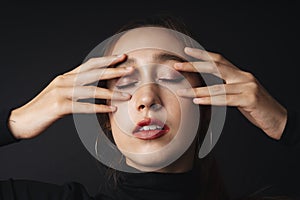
(153,105)
(240,89)
(61,97)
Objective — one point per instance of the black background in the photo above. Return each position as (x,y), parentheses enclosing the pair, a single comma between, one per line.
(41,41)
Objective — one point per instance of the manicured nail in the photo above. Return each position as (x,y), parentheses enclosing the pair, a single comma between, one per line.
(178,65)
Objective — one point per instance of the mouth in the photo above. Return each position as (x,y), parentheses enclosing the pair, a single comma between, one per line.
(150,129)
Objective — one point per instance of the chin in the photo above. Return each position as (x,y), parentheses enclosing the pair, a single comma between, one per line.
(153,161)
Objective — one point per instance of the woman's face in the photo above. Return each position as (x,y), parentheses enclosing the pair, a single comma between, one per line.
(155,127)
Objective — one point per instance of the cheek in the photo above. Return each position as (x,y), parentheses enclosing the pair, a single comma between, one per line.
(173,108)
(122,140)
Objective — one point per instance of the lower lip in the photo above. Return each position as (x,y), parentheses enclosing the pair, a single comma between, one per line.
(151,134)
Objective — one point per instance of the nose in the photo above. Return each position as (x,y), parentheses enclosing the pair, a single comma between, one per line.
(147,98)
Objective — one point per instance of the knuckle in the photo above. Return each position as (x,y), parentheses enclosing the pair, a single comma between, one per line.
(253,86)
(219,57)
(252,98)
(91,61)
(218,65)
(59,80)
(249,76)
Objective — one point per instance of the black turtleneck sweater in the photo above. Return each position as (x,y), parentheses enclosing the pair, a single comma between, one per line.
(133,186)
(142,186)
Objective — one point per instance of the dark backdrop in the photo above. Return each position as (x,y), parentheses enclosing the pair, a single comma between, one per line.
(41,41)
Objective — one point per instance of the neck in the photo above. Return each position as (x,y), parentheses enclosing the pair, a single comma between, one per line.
(183,164)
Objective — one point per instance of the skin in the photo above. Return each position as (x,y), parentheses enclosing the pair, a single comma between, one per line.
(154,86)
(58,100)
(242,90)
(153,73)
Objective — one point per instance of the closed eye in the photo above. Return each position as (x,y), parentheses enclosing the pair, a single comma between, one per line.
(172,80)
(126,85)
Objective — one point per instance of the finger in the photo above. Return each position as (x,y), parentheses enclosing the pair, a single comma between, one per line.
(205,55)
(236,100)
(101,74)
(212,100)
(85,92)
(98,62)
(214,90)
(198,67)
(223,71)
(88,108)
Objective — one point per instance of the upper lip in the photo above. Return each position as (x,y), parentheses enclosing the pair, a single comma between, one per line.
(147,122)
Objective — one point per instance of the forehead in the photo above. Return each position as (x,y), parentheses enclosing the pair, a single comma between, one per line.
(150,38)
(143,56)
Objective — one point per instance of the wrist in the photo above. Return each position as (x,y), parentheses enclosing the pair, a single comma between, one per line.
(279,123)
(14,124)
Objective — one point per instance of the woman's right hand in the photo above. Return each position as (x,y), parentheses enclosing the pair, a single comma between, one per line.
(61,96)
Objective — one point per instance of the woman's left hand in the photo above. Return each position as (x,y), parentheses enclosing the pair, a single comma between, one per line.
(240,89)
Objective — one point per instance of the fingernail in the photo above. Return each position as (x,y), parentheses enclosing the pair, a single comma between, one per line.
(121,96)
(126,95)
(178,65)
(188,49)
(113,108)
(128,68)
(197,100)
(118,57)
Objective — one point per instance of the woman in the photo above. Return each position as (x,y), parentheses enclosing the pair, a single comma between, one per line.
(150,95)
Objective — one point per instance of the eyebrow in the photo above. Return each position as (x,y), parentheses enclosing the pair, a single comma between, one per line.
(163,57)
(160,57)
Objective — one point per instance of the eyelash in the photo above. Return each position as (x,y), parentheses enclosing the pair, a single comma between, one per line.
(126,85)
(172,80)
(175,80)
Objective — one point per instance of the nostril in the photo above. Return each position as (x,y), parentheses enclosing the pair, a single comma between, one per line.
(155,106)
(152,107)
